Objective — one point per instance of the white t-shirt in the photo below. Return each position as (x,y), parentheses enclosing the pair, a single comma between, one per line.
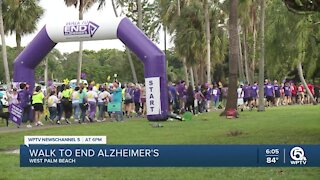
(103,95)
(92,96)
(75,97)
(52,101)
(240,92)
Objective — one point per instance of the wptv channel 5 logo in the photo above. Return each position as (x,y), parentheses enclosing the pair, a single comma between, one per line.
(298,157)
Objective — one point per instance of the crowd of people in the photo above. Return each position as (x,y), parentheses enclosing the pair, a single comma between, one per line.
(92,103)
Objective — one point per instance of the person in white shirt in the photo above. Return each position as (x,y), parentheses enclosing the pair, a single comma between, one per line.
(52,104)
(92,101)
(12,96)
(103,99)
(75,104)
(240,102)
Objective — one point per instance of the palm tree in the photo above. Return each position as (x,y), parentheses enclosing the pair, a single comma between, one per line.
(4,48)
(82,5)
(21,17)
(128,52)
(170,12)
(233,55)
(207,22)
(261,62)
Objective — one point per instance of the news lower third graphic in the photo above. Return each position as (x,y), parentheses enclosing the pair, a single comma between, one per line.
(92,151)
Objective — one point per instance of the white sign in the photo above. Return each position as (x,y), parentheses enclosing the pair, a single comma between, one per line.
(65,140)
(83,30)
(153,101)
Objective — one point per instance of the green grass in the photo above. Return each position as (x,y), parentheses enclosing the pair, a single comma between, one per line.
(281,125)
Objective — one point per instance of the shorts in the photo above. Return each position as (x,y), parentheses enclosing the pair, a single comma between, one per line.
(247,99)
(128,101)
(277,95)
(143,100)
(38,107)
(270,98)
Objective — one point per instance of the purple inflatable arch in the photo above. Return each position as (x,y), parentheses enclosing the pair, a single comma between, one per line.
(122,28)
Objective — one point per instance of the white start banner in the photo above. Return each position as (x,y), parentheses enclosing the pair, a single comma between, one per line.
(153,101)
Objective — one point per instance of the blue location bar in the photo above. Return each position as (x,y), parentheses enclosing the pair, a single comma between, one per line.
(170,156)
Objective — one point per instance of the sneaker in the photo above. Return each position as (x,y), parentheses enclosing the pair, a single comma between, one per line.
(39,124)
(58,122)
(67,121)
(99,121)
(29,126)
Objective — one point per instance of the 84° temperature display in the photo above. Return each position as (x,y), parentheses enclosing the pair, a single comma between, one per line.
(272,155)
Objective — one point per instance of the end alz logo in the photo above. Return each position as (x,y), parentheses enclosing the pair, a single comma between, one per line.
(80,28)
(298,157)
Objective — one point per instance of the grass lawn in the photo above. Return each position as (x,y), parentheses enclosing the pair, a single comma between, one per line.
(279,125)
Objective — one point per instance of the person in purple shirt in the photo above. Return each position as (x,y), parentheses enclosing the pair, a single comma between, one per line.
(247,95)
(25,103)
(181,89)
(136,99)
(287,93)
(215,94)
(190,100)
(269,92)
(173,98)
(254,93)
(276,92)
(208,96)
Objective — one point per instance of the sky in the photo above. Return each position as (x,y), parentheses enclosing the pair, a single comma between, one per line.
(56,10)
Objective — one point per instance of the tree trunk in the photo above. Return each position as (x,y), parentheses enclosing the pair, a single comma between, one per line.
(46,72)
(133,70)
(191,77)
(196,75)
(178,7)
(246,56)
(253,64)
(18,41)
(207,21)
(185,70)
(80,45)
(184,61)
(261,62)
(240,64)
(303,81)
(114,8)
(4,48)
(139,5)
(233,56)
(201,73)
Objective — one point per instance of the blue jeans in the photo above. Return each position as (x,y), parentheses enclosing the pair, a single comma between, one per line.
(60,110)
(76,110)
(83,112)
(53,113)
(102,109)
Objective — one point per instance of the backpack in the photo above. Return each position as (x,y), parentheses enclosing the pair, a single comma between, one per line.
(127,94)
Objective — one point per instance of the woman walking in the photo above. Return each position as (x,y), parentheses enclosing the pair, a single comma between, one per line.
(37,103)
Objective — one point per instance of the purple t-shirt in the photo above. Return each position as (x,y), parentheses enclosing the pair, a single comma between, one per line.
(181,90)
(276,89)
(287,90)
(254,90)
(269,89)
(246,91)
(215,92)
(208,94)
(24,97)
(136,95)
